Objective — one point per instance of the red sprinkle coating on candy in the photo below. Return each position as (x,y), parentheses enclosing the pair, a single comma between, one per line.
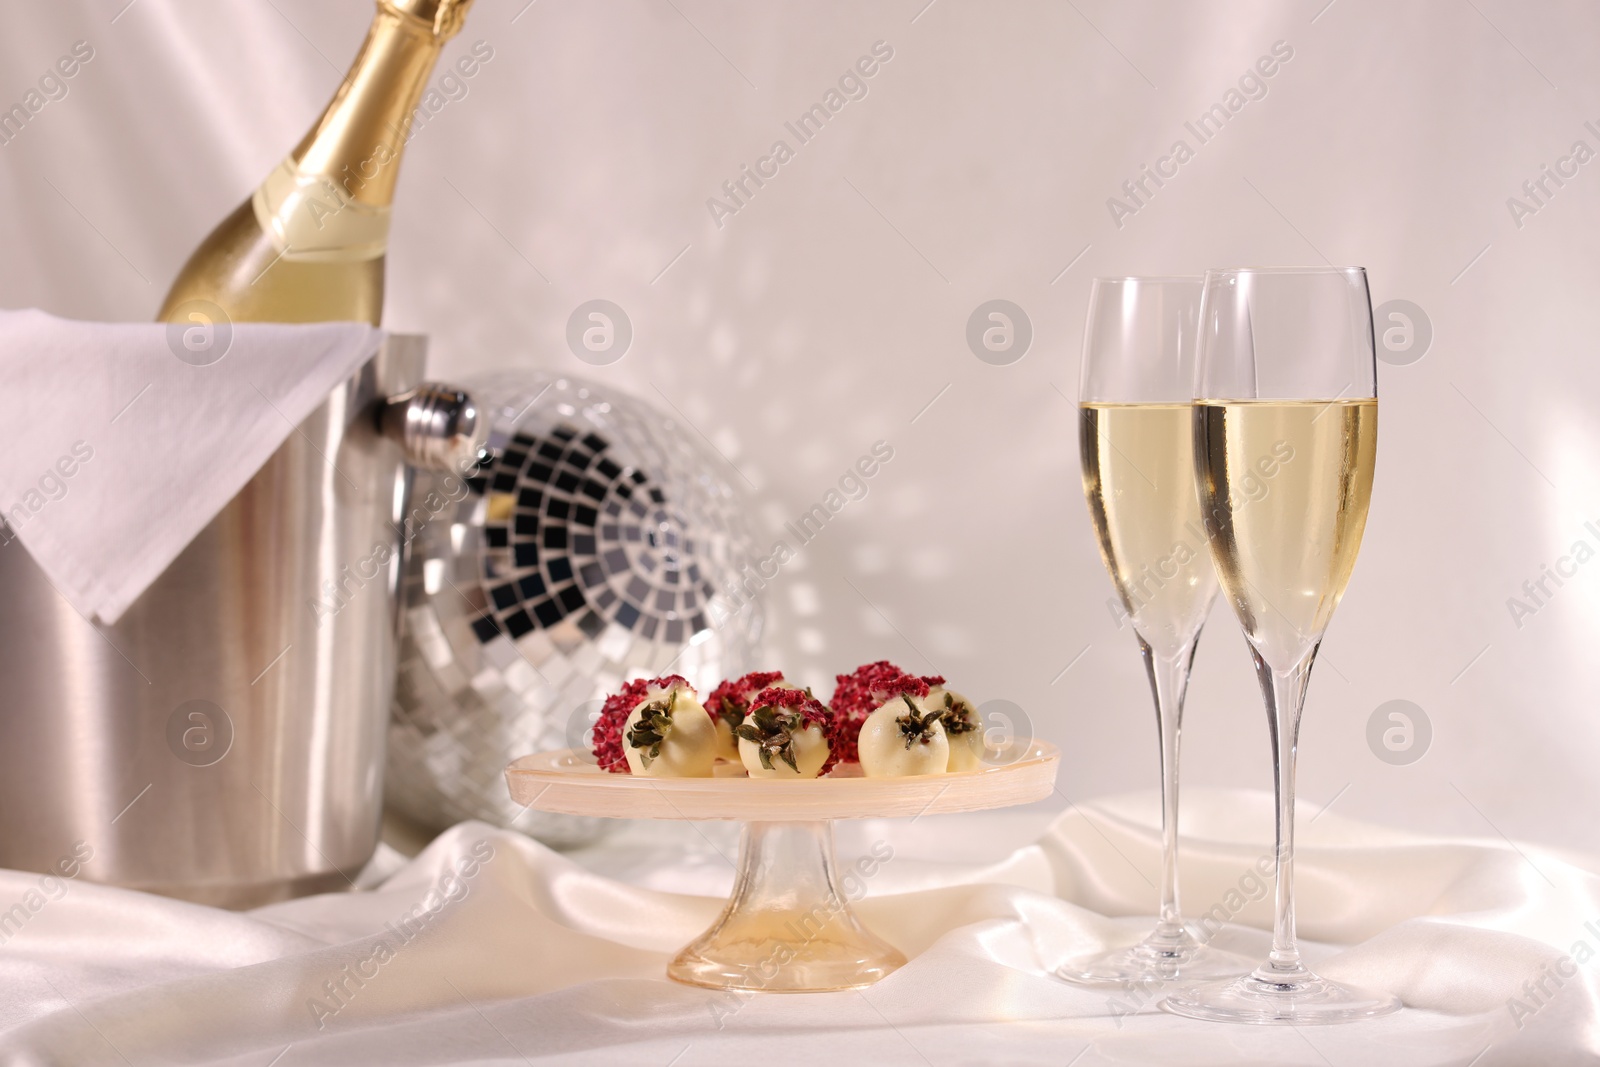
(607,735)
(812,713)
(731,700)
(862,692)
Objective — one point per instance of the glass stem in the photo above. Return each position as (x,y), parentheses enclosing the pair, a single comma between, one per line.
(1285,694)
(1169,680)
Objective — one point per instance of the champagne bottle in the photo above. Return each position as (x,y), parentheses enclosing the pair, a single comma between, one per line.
(309,245)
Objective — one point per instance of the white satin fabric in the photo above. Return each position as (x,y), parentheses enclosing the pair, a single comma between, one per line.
(488,948)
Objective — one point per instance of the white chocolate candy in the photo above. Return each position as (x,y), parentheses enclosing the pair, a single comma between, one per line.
(892,746)
(966,747)
(728,745)
(810,749)
(690,746)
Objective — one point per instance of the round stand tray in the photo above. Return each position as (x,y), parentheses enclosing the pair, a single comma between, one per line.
(787,927)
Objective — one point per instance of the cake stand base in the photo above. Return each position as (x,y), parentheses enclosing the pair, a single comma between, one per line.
(787,928)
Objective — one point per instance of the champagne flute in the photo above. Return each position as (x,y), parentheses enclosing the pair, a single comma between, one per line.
(1285,436)
(1138,475)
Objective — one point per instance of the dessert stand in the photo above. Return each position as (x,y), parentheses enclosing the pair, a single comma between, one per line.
(787,927)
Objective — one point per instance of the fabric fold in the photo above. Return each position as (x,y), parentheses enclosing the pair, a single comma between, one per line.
(489,948)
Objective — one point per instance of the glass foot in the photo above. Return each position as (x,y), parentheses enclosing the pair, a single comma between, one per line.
(1167,955)
(787,928)
(1270,994)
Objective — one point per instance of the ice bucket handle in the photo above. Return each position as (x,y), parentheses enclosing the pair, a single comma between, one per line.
(436,425)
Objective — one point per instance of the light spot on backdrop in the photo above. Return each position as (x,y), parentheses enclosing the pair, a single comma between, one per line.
(803,598)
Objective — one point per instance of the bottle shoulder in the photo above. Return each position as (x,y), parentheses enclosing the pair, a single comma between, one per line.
(240,268)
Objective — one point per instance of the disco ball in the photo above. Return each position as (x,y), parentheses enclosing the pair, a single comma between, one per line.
(599,541)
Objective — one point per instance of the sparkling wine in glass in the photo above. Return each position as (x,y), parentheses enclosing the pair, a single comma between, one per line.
(1285,437)
(1137,445)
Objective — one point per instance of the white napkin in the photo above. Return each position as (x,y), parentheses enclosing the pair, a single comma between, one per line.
(119,442)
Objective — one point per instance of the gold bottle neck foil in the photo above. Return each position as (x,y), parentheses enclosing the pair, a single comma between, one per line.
(442,18)
(329,200)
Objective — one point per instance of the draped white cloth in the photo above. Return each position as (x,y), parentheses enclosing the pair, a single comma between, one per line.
(488,948)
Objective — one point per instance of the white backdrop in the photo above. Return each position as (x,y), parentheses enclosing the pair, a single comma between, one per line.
(831,309)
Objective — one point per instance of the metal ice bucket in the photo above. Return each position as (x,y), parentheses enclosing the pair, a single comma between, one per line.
(224,741)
